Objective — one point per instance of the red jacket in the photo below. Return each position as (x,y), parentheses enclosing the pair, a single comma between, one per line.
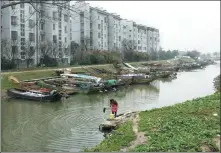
(114,107)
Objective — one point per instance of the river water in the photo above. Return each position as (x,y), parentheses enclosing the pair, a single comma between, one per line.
(72,125)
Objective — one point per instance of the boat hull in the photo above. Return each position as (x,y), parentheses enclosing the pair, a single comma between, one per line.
(18,94)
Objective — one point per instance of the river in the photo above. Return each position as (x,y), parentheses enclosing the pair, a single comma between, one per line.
(72,125)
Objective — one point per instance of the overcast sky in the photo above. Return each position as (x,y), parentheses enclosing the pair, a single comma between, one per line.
(183,25)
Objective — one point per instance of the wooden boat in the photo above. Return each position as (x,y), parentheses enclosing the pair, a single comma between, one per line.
(34,95)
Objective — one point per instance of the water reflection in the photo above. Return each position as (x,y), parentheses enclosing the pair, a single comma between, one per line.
(73,124)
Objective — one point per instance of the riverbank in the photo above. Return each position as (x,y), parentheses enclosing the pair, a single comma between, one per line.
(191,126)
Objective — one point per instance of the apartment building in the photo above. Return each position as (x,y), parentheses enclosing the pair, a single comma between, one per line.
(18,30)
(153,39)
(114,32)
(27,30)
(54,27)
(106,31)
(89,26)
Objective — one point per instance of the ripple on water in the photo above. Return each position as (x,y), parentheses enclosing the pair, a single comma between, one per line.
(49,128)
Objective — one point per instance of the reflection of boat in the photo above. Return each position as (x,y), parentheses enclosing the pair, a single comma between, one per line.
(34,95)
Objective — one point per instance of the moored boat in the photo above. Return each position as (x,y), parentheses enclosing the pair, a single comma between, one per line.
(34,95)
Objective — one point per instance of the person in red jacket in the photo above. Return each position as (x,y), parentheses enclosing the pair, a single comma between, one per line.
(114,107)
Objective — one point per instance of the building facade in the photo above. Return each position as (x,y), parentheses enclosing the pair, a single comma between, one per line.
(91,27)
(26,30)
(106,31)
(18,31)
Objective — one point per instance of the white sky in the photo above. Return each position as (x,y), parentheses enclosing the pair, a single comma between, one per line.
(183,25)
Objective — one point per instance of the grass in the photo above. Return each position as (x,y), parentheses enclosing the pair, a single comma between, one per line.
(24,76)
(184,127)
(121,138)
(35,74)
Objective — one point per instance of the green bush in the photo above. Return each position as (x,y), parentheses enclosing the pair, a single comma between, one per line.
(48,61)
(7,64)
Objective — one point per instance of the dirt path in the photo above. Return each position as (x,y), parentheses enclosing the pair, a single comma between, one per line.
(49,69)
(141,138)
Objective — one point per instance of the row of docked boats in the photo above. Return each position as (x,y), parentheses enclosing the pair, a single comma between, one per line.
(53,89)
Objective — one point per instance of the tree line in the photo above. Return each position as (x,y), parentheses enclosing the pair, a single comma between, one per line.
(80,54)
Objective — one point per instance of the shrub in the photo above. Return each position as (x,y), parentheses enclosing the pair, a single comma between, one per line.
(7,64)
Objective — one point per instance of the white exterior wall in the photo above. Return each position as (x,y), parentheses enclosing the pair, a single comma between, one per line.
(48,30)
(76,21)
(7,27)
(114,32)
(99,18)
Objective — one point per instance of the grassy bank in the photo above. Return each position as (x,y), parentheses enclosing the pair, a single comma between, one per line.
(35,74)
(191,126)
(121,138)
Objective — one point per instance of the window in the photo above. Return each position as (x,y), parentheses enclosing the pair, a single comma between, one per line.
(98,17)
(54,16)
(15,49)
(99,26)
(42,13)
(22,5)
(31,23)
(105,19)
(59,24)
(119,38)
(99,35)
(22,30)
(65,29)
(31,37)
(42,37)
(60,45)
(138,42)
(13,7)
(130,30)
(30,10)
(54,39)
(22,48)
(14,35)
(53,26)
(105,44)
(65,40)
(66,18)
(23,55)
(42,26)
(129,36)
(13,20)
(22,41)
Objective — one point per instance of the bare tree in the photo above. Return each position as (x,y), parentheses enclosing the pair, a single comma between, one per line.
(29,50)
(46,48)
(9,49)
(127,48)
(85,43)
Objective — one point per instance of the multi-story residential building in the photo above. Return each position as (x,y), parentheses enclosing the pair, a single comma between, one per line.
(18,30)
(106,31)
(26,30)
(89,26)
(114,32)
(54,27)
(153,39)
